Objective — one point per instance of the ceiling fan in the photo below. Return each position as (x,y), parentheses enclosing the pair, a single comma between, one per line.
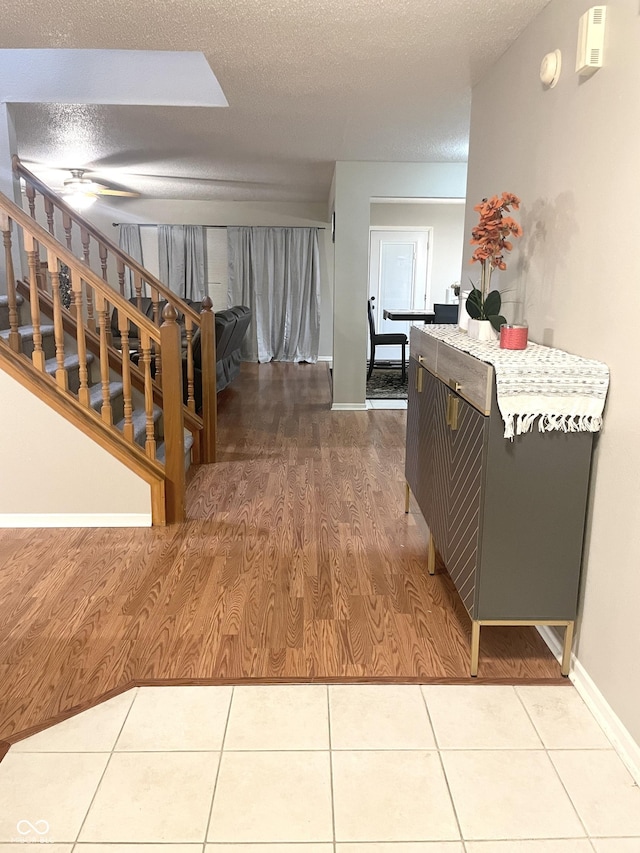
(80,192)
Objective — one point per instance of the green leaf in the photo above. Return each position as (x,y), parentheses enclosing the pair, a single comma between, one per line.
(492,303)
(496,320)
(474,304)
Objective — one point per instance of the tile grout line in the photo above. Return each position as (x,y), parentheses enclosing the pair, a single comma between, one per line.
(555,769)
(106,767)
(220,754)
(442,767)
(333,802)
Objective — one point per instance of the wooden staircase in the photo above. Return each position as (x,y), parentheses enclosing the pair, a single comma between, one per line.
(131,403)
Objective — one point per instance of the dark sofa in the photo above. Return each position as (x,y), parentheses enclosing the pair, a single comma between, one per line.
(231,327)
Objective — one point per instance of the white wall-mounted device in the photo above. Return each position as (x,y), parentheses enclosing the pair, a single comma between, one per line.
(550,68)
(591,40)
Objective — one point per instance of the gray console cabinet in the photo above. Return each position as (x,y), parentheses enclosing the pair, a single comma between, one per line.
(507,517)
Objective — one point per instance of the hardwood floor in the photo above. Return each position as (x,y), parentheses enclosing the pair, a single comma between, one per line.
(297,563)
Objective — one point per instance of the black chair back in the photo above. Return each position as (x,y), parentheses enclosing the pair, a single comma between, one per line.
(445,313)
(372,325)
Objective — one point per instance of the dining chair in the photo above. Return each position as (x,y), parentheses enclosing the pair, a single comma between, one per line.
(386,339)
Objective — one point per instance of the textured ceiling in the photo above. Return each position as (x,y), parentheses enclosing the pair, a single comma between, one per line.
(308,83)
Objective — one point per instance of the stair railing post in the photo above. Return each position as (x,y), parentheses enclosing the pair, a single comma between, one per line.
(173,415)
(31,248)
(209,390)
(14,336)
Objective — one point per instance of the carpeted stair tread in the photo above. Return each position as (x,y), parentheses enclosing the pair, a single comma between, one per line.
(4,301)
(26,332)
(95,393)
(188,444)
(139,421)
(71,362)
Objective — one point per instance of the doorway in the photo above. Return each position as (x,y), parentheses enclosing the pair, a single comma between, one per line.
(398,276)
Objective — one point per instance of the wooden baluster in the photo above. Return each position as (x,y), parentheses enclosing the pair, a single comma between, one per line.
(83,371)
(157,357)
(102,250)
(6,225)
(85,238)
(30,246)
(62,378)
(209,391)
(30,192)
(191,399)
(123,326)
(67,223)
(103,319)
(137,283)
(150,441)
(173,416)
(48,209)
(121,276)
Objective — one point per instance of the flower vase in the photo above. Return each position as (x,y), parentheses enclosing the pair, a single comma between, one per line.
(481,330)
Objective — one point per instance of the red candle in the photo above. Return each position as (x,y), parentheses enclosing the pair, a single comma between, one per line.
(513,335)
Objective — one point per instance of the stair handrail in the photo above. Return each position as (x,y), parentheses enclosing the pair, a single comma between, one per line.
(203,321)
(166,338)
(98,235)
(33,227)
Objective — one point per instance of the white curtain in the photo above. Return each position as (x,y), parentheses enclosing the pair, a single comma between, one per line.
(129,241)
(182,257)
(276,272)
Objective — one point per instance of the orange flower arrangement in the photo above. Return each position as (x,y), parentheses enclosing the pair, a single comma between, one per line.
(490,236)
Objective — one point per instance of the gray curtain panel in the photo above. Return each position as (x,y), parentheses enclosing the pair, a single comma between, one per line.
(129,241)
(182,257)
(276,272)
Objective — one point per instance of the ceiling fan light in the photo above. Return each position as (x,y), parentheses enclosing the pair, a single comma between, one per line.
(79,200)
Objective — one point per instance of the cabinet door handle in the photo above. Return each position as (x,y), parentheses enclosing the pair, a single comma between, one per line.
(419,378)
(453,411)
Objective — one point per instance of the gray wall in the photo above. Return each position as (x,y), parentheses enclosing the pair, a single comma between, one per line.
(571,154)
(356,184)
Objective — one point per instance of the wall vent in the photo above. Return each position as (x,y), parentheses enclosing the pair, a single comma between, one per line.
(591,40)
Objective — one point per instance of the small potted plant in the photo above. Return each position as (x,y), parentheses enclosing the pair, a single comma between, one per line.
(490,236)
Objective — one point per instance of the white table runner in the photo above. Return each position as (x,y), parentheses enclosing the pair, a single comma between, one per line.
(561,391)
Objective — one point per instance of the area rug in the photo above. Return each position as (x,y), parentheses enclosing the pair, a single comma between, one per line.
(386,384)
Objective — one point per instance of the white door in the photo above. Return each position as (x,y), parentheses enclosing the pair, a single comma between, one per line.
(398,264)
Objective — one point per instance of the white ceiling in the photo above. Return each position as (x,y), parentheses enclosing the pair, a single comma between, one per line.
(307,82)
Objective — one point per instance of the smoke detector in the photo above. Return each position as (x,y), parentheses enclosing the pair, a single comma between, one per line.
(550,68)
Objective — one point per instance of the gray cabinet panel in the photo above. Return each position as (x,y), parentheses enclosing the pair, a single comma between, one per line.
(507,517)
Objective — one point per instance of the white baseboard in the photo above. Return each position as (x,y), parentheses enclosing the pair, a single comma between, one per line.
(621,739)
(70,519)
(348,407)
(328,358)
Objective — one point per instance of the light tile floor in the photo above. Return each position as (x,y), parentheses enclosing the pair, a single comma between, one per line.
(375,403)
(317,769)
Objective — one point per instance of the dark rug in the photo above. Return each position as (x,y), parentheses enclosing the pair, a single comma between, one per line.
(386,384)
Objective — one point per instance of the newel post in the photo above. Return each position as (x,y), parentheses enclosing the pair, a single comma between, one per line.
(173,417)
(209,390)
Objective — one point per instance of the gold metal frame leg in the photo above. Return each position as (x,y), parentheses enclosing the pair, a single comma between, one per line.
(431,556)
(407,497)
(475,647)
(566,648)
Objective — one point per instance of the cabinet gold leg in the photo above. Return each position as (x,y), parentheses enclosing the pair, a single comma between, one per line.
(431,556)
(566,648)
(407,497)
(475,647)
